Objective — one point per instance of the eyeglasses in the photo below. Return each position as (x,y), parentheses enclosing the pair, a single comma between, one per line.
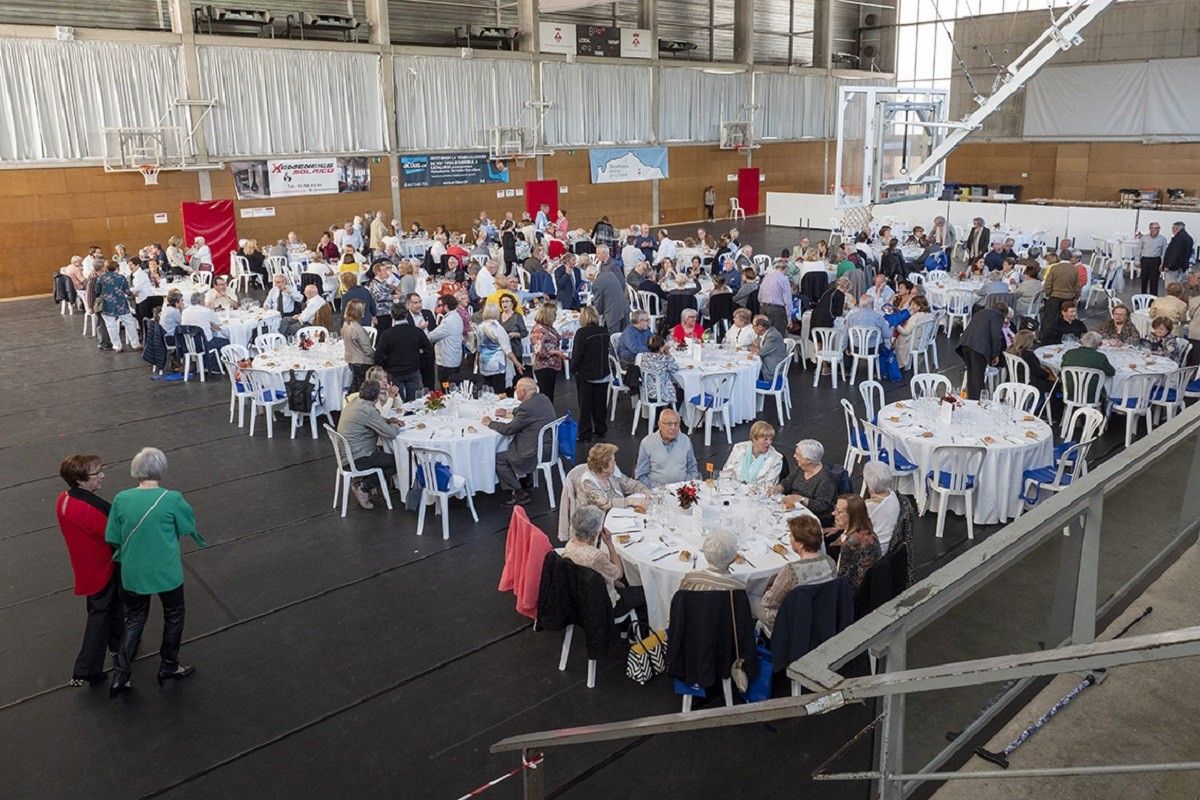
(94,474)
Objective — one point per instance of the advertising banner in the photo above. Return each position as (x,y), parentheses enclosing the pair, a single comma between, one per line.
(451,169)
(602,41)
(298,176)
(621,164)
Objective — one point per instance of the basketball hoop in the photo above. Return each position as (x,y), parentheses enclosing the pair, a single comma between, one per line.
(150,173)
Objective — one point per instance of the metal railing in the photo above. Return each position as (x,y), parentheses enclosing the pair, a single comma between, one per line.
(969,639)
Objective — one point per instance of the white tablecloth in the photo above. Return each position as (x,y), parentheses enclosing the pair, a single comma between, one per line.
(917,433)
(719,360)
(327,361)
(942,288)
(241,324)
(565,322)
(665,529)
(1125,360)
(414,248)
(458,429)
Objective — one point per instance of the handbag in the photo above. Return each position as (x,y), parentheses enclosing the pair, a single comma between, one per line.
(441,476)
(737,671)
(647,656)
(98,305)
(301,392)
(568,430)
(889,365)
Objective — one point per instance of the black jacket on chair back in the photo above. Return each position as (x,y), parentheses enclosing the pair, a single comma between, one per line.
(575,595)
(700,648)
(808,617)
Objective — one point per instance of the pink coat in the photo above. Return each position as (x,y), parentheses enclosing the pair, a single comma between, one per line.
(524,553)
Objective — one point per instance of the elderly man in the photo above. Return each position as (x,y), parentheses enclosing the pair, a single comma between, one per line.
(1178,253)
(220,297)
(769,347)
(775,296)
(567,278)
(666,457)
(610,300)
(520,459)
(485,281)
(312,304)
(404,352)
(731,272)
(865,316)
(644,241)
(447,341)
(378,230)
(283,297)
(981,344)
(943,236)
(977,239)
(1086,355)
(1061,284)
(204,318)
(666,247)
(1154,247)
(201,255)
(361,424)
(994,260)
(631,256)
(994,283)
(880,293)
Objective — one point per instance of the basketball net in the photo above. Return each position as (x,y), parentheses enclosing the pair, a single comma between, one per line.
(857,218)
(150,173)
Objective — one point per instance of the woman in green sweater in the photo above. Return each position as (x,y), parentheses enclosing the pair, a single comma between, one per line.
(145,526)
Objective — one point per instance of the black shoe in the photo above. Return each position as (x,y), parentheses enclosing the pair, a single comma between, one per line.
(179,673)
(519,497)
(120,684)
(584,439)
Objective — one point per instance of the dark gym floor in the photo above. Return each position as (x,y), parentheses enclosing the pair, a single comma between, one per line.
(335,657)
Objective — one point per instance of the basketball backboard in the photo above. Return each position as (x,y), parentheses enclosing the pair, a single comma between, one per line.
(883,133)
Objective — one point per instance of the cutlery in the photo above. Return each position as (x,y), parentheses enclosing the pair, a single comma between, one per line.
(664,555)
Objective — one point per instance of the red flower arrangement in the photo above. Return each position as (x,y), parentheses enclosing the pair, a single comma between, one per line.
(435,401)
(962,276)
(305,343)
(687,495)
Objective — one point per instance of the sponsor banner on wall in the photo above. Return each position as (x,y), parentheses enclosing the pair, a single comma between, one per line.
(621,164)
(290,177)
(602,41)
(451,169)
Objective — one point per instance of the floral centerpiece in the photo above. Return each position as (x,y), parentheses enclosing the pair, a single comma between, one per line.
(953,399)
(305,343)
(435,401)
(962,276)
(687,495)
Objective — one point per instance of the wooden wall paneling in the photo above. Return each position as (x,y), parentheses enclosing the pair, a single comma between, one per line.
(693,167)
(585,202)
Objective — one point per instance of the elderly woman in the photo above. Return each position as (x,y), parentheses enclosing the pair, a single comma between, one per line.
(906,332)
(82,518)
(591,546)
(813,567)
(755,462)
(811,485)
(145,526)
(497,362)
(720,548)
(1117,329)
(602,485)
(688,328)
(657,371)
(546,344)
(883,505)
(858,546)
(741,333)
(1161,342)
(360,347)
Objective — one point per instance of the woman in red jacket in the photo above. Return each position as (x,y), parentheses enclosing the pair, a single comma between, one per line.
(82,517)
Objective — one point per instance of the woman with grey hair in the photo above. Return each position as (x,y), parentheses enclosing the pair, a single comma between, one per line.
(812,485)
(720,548)
(882,504)
(145,526)
(591,546)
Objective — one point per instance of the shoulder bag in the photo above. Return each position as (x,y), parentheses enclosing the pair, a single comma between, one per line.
(301,391)
(738,669)
(647,656)
(127,539)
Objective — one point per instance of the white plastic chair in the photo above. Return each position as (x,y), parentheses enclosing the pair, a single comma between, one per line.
(203,276)
(617,385)
(777,387)
(239,273)
(726,689)
(93,317)
(735,209)
(266,393)
(955,473)
(938,275)
(872,397)
(1142,302)
(1169,396)
(864,347)
(1135,403)
(762,263)
(652,305)
(193,346)
(716,396)
(523,277)
(1071,466)
(923,338)
(856,438)
(314,411)
(650,400)
(1020,396)
(958,309)
(916,278)
(318,333)
(549,457)
(239,392)
(1018,370)
(426,460)
(828,344)
(343,459)
(881,446)
(1081,388)
(1127,257)
(929,384)
(278,265)
(1093,424)
(591,665)
(270,342)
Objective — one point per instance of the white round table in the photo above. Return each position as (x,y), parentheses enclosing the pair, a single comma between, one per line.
(327,361)
(1015,442)
(241,324)
(458,430)
(414,248)
(652,545)
(716,360)
(1125,360)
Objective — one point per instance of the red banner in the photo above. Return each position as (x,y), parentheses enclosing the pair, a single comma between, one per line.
(538,192)
(213,221)
(748,189)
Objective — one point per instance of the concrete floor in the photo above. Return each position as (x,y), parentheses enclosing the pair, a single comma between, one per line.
(1140,714)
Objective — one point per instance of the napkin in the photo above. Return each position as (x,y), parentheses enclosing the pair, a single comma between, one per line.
(624,524)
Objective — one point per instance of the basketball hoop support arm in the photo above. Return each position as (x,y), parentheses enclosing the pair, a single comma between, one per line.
(1062,35)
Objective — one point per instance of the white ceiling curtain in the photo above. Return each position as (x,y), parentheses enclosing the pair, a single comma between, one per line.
(1173,98)
(790,106)
(289,102)
(693,102)
(596,104)
(56,97)
(450,103)
(1089,100)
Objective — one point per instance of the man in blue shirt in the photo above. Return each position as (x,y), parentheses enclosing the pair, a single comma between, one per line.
(994,260)
(646,243)
(665,457)
(731,273)
(542,221)
(865,316)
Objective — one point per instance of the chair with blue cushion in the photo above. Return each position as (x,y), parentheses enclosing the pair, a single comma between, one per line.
(239,392)
(1170,394)
(1082,387)
(267,393)
(437,491)
(1093,425)
(955,473)
(881,446)
(1135,402)
(856,438)
(1071,466)
(617,385)
(775,387)
(716,396)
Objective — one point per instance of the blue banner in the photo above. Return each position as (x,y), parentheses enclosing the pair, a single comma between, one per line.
(621,164)
(451,169)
